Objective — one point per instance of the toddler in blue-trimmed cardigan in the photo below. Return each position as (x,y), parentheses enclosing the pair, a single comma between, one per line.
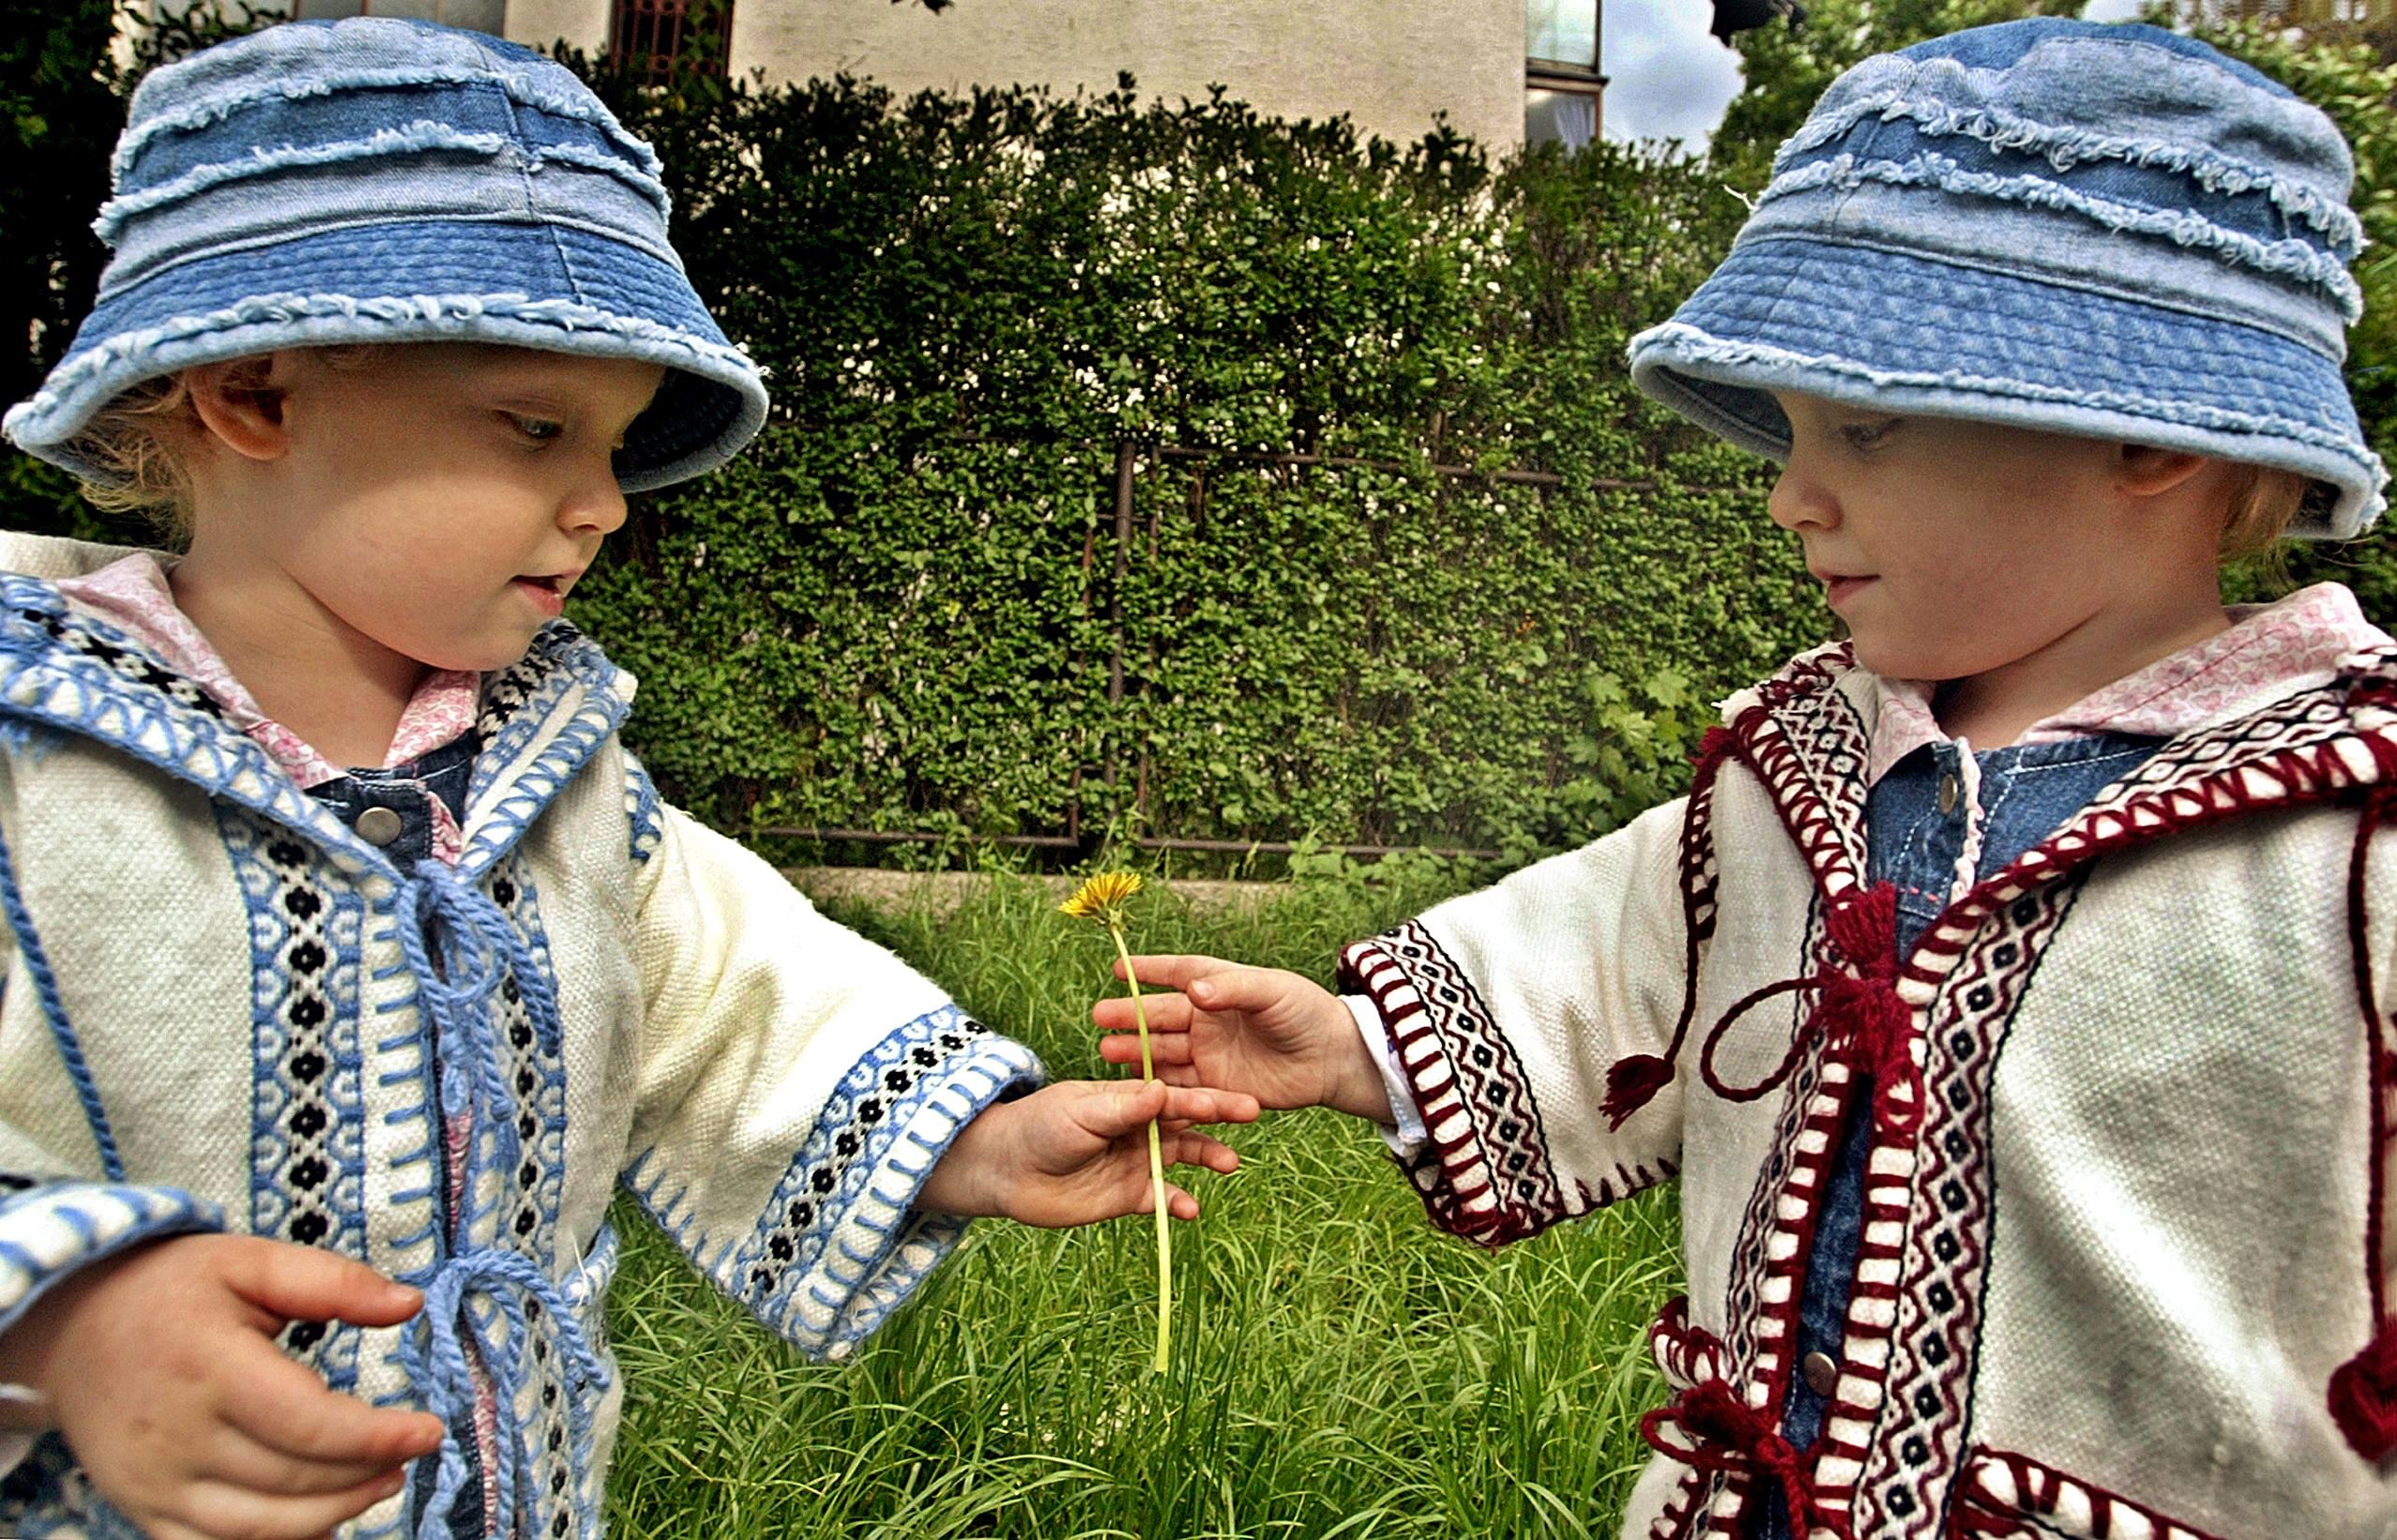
(315,1080)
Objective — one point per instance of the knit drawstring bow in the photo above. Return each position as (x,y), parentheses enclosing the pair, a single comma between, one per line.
(462,949)
(1857,1016)
(1726,1433)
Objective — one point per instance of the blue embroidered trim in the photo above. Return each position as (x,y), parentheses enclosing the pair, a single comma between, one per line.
(53,1010)
(45,677)
(106,1219)
(641,808)
(533,1032)
(516,700)
(308,1115)
(519,702)
(862,1164)
(175,728)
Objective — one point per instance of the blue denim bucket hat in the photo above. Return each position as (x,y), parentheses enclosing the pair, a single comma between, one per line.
(376,180)
(2110,231)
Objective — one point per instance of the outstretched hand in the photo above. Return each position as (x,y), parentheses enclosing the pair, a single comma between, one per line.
(1077,1151)
(161,1370)
(1277,1035)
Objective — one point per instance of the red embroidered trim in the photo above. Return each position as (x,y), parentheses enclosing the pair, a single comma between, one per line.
(2012,1494)
(1931,1200)
(1484,1173)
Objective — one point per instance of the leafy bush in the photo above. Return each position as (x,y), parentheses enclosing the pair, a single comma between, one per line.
(900,610)
(1406,558)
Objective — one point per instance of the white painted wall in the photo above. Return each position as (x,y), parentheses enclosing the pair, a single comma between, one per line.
(1388,63)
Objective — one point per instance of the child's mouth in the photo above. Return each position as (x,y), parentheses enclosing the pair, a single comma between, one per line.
(547,593)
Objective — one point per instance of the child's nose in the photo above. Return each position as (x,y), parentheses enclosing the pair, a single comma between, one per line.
(597,504)
(1800,500)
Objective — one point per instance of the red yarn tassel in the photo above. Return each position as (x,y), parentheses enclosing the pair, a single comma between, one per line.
(1634,1082)
(1631,1084)
(2363,1389)
(2363,1398)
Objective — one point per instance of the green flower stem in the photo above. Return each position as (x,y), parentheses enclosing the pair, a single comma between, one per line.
(1155,1157)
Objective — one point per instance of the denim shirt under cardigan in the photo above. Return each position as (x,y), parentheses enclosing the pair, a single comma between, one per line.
(2026,792)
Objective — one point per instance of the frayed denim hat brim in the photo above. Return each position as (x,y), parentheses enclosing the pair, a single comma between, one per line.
(1897,332)
(569,291)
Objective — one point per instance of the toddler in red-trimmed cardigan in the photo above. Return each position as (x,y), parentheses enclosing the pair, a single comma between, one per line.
(2010,992)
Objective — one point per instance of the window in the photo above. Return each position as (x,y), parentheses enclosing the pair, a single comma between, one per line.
(657,38)
(1562,85)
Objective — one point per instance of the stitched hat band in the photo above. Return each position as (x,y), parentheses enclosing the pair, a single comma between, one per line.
(2109,230)
(374,180)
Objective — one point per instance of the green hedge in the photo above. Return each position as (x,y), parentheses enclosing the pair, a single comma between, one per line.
(903,608)
(898,610)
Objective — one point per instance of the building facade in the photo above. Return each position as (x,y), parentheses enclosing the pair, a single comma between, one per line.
(1500,70)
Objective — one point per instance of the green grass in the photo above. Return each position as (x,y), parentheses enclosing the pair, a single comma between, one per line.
(1341,1369)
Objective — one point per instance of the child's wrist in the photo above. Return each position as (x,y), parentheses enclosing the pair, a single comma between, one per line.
(1359,1087)
(965,1180)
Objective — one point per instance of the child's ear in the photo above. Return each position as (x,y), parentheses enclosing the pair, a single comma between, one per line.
(2145,471)
(241,403)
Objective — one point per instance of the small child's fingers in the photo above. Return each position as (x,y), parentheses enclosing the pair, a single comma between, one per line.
(302,1283)
(1173,970)
(284,1406)
(1124,1048)
(1246,990)
(1187,1149)
(1166,1012)
(237,1460)
(1204,1104)
(222,1508)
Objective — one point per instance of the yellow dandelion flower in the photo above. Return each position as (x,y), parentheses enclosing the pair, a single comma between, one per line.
(1101,896)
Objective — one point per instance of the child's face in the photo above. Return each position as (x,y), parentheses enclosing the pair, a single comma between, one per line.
(1954,547)
(440,499)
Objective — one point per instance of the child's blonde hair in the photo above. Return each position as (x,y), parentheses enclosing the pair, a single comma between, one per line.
(2262,504)
(138,445)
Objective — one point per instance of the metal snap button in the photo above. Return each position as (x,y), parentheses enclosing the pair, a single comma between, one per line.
(379,825)
(1822,1375)
(1949,790)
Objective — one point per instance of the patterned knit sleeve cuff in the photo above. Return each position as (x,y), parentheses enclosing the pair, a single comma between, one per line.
(841,1246)
(1484,1171)
(51,1228)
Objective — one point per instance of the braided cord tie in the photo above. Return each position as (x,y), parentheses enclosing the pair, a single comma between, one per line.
(1856,1013)
(511,1283)
(1726,1433)
(461,948)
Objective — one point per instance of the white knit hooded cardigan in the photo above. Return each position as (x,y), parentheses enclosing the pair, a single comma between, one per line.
(2123,1270)
(222,1010)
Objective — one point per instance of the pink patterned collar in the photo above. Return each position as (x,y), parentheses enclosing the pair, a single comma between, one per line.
(131,593)
(2269,650)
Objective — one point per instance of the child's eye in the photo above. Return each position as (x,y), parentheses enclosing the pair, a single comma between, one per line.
(540,429)
(1867,436)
